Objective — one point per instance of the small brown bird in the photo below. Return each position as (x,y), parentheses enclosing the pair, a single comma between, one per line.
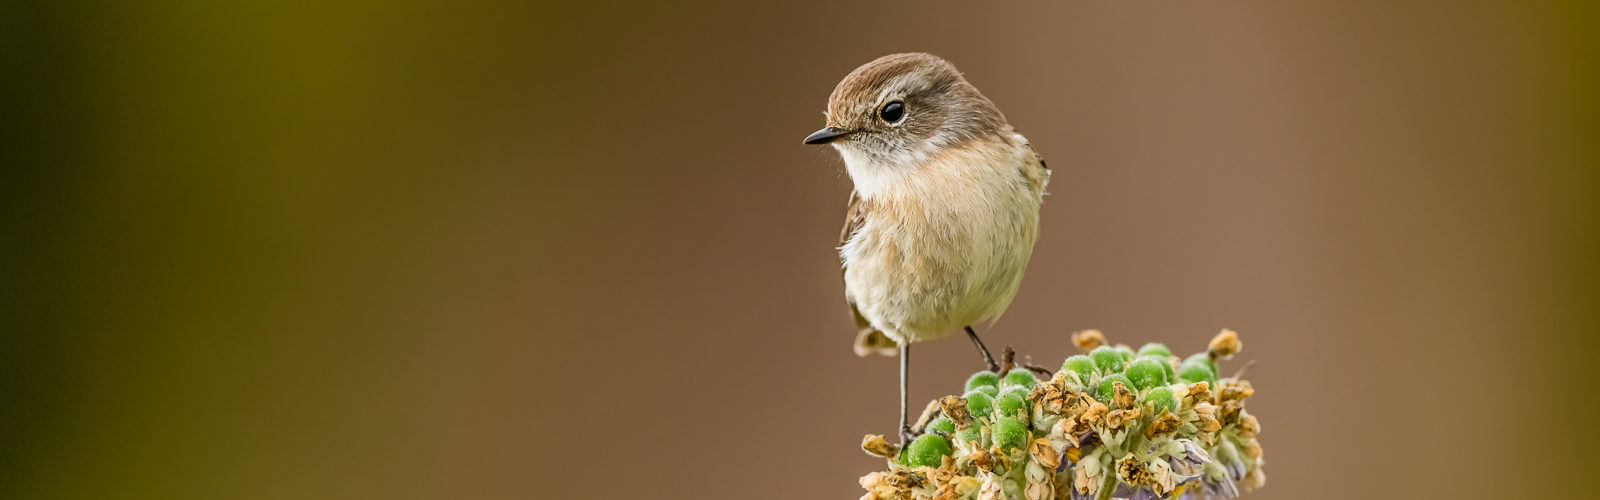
(945,210)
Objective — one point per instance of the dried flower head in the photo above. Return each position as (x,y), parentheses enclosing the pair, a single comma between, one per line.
(991,489)
(1127,424)
(1224,344)
(1198,392)
(1161,480)
(1248,425)
(1119,418)
(1087,477)
(1051,395)
(1164,424)
(904,479)
(955,409)
(1235,390)
(1206,414)
(1087,340)
(991,459)
(1229,413)
(1123,398)
(1092,410)
(1133,471)
(1044,453)
(1040,482)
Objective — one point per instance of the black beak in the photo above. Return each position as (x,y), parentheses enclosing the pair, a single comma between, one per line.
(827,135)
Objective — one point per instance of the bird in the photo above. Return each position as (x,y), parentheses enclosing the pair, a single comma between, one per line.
(944,211)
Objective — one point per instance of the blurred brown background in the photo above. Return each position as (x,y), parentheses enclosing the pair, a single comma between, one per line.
(505,250)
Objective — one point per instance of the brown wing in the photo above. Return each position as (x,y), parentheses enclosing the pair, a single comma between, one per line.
(854,217)
(1037,176)
(869,341)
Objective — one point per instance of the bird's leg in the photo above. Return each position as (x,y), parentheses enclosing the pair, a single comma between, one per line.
(905,395)
(987,358)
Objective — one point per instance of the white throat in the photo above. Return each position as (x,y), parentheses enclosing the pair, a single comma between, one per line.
(876,175)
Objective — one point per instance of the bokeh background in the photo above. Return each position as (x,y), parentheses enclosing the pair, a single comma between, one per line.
(400,249)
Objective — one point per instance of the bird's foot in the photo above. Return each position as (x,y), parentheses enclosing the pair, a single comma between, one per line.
(988,359)
(906,436)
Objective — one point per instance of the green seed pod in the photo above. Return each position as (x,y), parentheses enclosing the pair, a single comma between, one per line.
(1161,398)
(1172,375)
(1081,365)
(1020,377)
(1146,373)
(1021,391)
(983,378)
(1009,403)
(1156,349)
(972,434)
(1010,433)
(1105,391)
(992,391)
(1197,372)
(1199,358)
(942,424)
(1126,352)
(1107,359)
(927,451)
(978,403)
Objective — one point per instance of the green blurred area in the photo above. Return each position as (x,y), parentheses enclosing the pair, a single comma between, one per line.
(502,250)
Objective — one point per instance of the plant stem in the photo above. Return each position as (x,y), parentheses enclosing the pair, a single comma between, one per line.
(1108,486)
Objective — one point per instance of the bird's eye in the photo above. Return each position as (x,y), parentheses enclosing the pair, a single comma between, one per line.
(893,111)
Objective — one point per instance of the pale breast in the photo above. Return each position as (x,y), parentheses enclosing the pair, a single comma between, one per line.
(946,248)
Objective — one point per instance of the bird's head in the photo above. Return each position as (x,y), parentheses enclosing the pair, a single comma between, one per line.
(902,109)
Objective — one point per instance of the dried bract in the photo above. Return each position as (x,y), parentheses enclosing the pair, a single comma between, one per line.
(1118,418)
(875,445)
(1165,424)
